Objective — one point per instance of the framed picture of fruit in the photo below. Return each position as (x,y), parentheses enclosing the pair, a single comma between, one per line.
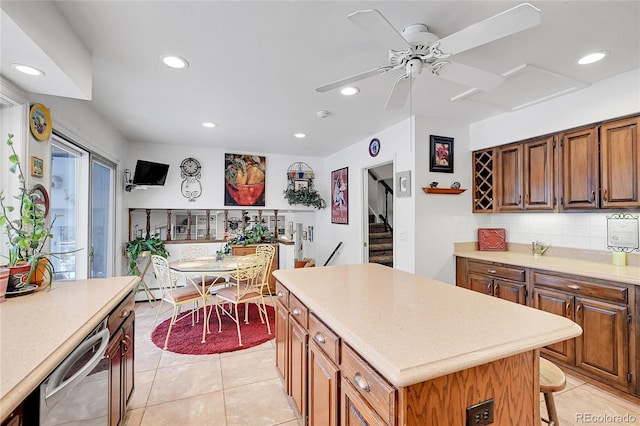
(244,180)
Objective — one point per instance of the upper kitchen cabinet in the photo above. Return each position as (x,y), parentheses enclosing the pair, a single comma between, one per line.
(620,164)
(483,181)
(526,176)
(579,152)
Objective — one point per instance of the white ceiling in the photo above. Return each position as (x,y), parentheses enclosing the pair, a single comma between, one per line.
(254,65)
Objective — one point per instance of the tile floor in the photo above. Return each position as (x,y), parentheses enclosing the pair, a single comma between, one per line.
(243,388)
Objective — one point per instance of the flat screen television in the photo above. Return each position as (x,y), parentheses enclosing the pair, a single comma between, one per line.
(150,173)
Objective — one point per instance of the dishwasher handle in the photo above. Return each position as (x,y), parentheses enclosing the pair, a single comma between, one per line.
(56,388)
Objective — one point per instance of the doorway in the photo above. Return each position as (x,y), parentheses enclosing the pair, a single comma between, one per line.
(378,214)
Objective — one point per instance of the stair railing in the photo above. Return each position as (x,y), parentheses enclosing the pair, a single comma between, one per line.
(332,253)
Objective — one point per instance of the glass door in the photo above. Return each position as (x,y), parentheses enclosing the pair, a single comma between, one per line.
(101,253)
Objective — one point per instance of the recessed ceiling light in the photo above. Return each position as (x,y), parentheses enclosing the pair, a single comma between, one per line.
(593,57)
(349,91)
(174,61)
(210,125)
(300,135)
(26,69)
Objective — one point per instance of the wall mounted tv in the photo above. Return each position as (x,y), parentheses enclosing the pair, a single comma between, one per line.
(150,173)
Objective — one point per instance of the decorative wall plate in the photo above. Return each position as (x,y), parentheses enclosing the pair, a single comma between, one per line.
(40,122)
(374,147)
(43,197)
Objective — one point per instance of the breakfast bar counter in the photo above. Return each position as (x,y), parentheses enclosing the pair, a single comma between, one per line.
(39,330)
(413,330)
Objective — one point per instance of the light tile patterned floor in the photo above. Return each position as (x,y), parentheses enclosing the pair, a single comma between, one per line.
(243,388)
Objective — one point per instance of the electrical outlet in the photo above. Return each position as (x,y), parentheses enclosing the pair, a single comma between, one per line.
(480,414)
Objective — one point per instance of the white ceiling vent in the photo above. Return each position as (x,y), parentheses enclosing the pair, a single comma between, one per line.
(524,86)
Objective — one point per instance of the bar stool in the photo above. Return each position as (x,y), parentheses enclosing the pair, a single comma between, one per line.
(552,379)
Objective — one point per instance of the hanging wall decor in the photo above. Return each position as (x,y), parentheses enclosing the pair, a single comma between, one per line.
(441,153)
(340,196)
(40,122)
(190,173)
(300,189)
(244,177)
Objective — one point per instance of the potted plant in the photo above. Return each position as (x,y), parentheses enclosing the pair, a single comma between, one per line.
(27,230)
(135,248)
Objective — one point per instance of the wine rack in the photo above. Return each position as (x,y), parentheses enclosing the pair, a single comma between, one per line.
(483,181)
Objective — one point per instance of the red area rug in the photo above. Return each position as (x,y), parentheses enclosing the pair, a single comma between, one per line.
(186,339)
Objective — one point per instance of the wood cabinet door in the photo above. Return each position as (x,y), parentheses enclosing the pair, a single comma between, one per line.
(539,181)
(620,164)
(483,181)
(511,291)
(298,338)
(579,160)
(603,347)
(481,284)
(282,331)
(355,410)
(510,178)
(560,304)
(114,352)
(128,358)
(324,379)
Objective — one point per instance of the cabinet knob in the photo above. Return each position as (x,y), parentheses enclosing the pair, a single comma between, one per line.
(280,294)
(491,271)
(568,308)
(604,195)
(361,382)
(593,196)
(295,311)
(573,286)
(319,338)
(124,313)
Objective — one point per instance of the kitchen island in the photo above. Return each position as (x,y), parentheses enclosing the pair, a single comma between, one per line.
(407,350)
(39,330)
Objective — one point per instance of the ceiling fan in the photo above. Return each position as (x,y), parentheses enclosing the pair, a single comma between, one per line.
(416,48)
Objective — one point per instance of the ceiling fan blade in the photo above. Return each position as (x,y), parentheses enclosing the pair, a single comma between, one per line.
(399,93)
(469,76)
(377,25)
(354,78)
(509,22)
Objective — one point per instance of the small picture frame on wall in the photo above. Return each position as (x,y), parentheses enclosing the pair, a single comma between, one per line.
(441,154)
(340,196)
(37,166)
(300,183)
(403,182)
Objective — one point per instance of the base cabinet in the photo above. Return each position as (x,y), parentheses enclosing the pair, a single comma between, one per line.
(355,410)
(298,338)
(121,351)
(503,281)
(324,388)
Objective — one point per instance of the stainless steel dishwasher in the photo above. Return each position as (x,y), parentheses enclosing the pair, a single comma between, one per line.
(77,391)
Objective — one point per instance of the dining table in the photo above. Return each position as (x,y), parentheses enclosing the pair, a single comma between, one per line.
(205,266)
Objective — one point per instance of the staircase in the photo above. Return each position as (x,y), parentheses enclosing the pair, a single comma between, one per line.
(380,244)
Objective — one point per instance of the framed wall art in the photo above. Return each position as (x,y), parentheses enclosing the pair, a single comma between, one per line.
(37,166)
(244,180)
(403,183)
(441,154)
(40,122)
(340,196)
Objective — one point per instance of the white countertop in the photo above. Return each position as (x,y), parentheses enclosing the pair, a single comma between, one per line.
(413,329)
(39,330)
(606,271)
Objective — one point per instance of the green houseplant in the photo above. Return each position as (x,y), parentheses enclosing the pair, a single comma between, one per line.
(27,230)
(135,248)
(304,196)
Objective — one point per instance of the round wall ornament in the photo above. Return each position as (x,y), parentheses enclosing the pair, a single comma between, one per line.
(374,147)
(40,122)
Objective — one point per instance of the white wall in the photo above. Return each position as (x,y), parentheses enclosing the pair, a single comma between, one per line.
(396,145)
(434,213)
(611,98)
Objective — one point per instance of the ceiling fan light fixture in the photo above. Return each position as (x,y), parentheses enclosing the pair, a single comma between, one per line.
(349,91)
(26,69)
(593,57)
(175,62)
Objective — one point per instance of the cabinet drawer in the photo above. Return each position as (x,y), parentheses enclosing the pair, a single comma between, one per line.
(326,339)
(121,313)
(369,384)
(298,311)
(578,286)
(282,294)
(506,272)
(243,251)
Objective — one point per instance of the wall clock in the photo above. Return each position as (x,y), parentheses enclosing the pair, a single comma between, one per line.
(40,122)
(190,173)
(374,147)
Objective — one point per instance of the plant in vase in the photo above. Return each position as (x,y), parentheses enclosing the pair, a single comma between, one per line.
(139,246)
(253,234)
(27,231)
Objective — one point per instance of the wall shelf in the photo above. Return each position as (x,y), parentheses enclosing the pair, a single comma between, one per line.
(430,190)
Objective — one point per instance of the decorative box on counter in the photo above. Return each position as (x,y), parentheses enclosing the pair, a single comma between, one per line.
(492,239)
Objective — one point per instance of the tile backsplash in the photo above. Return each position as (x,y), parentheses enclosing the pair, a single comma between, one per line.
(572,230)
